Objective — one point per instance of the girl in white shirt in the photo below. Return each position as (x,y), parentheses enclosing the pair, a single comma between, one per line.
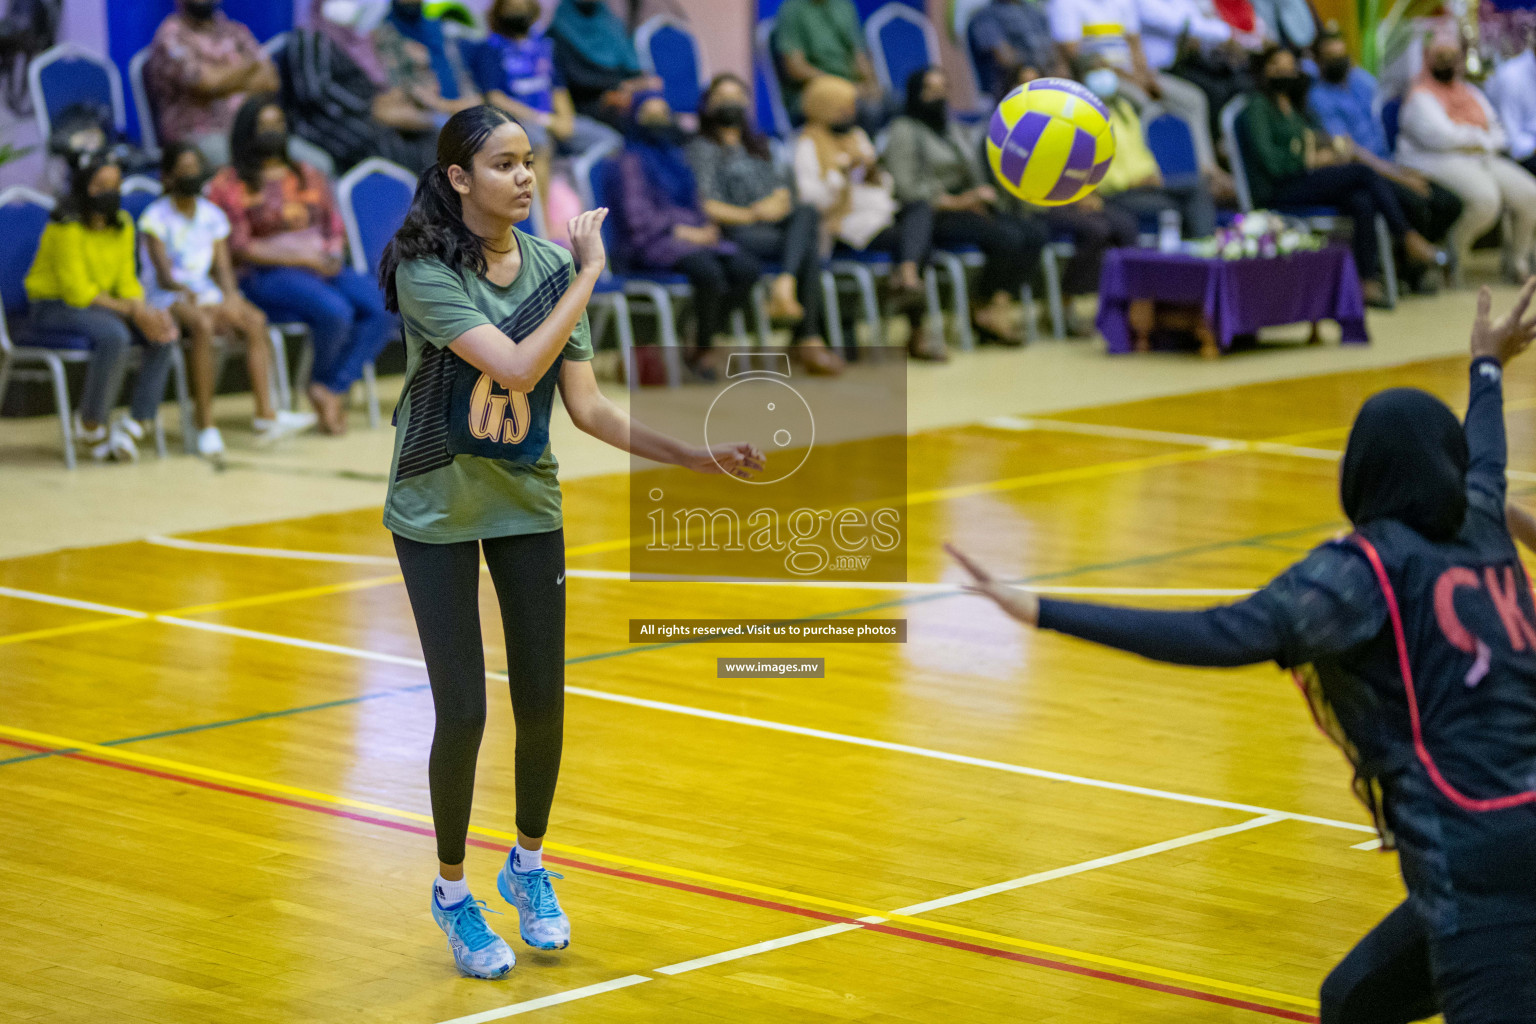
(185,242)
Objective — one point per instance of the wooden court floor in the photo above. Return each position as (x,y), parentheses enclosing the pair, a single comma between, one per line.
(212,760)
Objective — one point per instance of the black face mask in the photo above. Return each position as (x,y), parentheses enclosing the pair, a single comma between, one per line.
(728,115)
(660,134)
(933,113)
(1335,71)
(1444,73)
(514,24)
(201,10)
(185,185)
(406,11)
(588,7)
(1406,460)
(842,127)
(105,204)
(269,143)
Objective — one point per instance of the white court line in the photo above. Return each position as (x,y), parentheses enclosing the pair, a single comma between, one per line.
(756,948)
(1219,444)
(796,938)
(783,727)
(1369,844)
(70,602)
(551,1000)
(1088,865)
(240,549)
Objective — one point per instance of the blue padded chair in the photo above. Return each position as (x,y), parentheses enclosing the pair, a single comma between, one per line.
(373,199)
(24,214)
(901,41)
(143,109)
(139,190)
(1391,120)
(1173,144)
(767,87)
(1326,219)
(66,75)
(669,50)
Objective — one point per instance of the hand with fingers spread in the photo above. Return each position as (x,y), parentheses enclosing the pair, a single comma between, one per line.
(737,458)
(1509,335)
(586,234)
(1023,605)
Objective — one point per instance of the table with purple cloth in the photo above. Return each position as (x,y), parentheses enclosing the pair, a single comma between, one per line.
(1236,297)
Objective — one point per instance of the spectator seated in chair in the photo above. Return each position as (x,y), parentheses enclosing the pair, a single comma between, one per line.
(596,60)
(823,37)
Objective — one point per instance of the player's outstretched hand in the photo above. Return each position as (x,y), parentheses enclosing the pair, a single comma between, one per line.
(738,458)
(586,234)
(1023,605)
(1508,336)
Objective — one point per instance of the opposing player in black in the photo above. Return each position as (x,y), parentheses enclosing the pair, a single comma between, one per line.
(1415,639)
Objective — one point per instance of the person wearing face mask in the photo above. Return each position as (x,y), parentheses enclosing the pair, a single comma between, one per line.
(1288,165)
(838,171)
(1343,102)
(185,240)
(84,284)
(418,52)
(1411,638)
(752,200)
(663,227)
(287,238)
(201,66)
(597,61)
(1134,183)
(337,94)
(1450,134)
(515,68)
(933,162)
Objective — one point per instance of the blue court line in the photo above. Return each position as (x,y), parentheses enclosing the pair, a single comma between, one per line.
(1127,563)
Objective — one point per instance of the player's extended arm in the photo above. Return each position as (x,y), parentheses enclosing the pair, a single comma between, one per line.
(1522,524)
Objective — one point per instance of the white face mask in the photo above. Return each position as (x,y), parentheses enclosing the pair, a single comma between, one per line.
(358,15)
(1102,82)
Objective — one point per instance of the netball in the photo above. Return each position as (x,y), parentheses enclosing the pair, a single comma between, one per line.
(1050,142)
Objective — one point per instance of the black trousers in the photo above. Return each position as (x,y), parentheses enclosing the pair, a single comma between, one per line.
(791,243)
(1398,973)
(721,282)
(1010,245)
(1192,200)
(443,581)
(1093,234)
(1361,193)
(1431,215)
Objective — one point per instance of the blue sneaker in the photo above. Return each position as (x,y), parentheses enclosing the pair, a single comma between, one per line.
(540,920)
(479,952)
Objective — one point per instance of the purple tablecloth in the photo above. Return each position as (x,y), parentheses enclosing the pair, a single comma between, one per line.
(1238,296)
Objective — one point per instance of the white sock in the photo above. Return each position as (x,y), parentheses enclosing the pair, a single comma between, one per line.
(525,860)
(450,893)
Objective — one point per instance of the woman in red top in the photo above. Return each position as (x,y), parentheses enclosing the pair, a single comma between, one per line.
(287,237)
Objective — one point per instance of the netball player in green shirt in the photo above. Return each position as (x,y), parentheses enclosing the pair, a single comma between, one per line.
(494,321)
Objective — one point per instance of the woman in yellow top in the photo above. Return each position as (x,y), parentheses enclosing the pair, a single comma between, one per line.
(84,284)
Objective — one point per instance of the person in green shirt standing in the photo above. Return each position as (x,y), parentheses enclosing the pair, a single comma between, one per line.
(1287,166)
(824,37)
(494,322)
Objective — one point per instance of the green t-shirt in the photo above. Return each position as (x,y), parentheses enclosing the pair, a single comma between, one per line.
(827,32)
(440,498)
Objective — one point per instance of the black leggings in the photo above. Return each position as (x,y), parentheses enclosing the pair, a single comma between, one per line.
(1398,974)
(791,243)
(443,581)
(1093,234)
(1361,193)
(721,282)
(1011,246)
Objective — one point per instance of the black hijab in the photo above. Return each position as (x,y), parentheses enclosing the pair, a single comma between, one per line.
(1406,460)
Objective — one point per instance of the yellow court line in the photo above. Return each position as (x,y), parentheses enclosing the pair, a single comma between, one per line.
(853,909)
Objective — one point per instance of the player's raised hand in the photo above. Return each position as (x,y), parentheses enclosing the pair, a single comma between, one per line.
(1507,337)
(1023,605)
(586,234)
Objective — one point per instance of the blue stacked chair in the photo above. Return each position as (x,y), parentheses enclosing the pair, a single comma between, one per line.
(67,76)
(669,50)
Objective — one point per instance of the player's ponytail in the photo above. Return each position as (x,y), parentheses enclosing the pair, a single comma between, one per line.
(435,227)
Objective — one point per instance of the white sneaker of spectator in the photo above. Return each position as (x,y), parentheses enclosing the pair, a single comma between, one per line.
(109,442)
(210,442)
(285,424)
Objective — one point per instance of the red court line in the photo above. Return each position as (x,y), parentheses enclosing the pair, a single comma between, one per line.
(937,940)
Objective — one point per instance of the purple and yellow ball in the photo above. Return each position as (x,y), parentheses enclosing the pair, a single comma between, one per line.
(1050,142)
